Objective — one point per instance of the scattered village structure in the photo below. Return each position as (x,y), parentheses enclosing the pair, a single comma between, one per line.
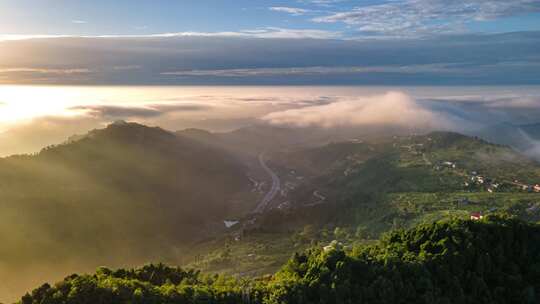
(475,216)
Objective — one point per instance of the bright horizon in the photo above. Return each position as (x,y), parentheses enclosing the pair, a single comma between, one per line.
(33,117)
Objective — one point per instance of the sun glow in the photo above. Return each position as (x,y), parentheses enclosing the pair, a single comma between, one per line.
(25,103)
(19,104)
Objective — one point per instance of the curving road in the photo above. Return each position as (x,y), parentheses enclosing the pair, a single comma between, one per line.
(276,185)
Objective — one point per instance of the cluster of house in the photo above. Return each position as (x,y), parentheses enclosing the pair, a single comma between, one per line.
(492,186)
(530,188)
(532,208)
(475,179)
(479,180)
(475,216)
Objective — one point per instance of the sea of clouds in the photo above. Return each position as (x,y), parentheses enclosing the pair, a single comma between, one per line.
(470,110)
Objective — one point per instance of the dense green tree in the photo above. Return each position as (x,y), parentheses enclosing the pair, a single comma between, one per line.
(455,261)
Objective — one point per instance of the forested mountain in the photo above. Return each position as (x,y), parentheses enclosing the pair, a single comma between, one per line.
(428,150)
(128,194)
(455,261)
(124,193)
(400,181)
(165,180)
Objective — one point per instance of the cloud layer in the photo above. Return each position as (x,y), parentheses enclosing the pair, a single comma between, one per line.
(147,111)
(255,58)
(462,109)
(394,109)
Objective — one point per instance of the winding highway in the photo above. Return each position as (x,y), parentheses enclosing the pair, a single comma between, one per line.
(276,185)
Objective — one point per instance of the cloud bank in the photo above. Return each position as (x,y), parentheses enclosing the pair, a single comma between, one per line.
(469,110)
(271,56)
(391,109)
(270,32)
(147,111)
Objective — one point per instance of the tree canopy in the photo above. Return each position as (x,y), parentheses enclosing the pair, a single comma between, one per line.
(495,260)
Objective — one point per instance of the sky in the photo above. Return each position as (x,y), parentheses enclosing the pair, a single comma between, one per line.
(32,117)
(70,66)
(302,42)
(348,18)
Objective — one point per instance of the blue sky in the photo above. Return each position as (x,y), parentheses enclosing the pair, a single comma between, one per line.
(270,42)
(350,17)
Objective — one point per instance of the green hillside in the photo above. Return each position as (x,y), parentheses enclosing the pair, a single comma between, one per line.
(122,177)
(370,188)
(402,181)
(455,261)
(128,194)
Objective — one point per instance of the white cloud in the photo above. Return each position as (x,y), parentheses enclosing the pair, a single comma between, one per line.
(276,32)
(295,11)
(141,59)
(126,67)
(79,21)
(44,71)
(267,32)
(526,102)
(6,37)
(319,70)
(390,109)
(325,3)
(417,17)
(267,72)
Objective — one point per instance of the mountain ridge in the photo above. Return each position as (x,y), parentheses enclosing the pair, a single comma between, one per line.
(123,194)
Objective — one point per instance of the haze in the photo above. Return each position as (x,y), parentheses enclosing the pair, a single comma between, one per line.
(38,116)
(226,135)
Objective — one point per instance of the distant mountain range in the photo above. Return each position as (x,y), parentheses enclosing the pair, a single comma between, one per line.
(256,138)
(524,138)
